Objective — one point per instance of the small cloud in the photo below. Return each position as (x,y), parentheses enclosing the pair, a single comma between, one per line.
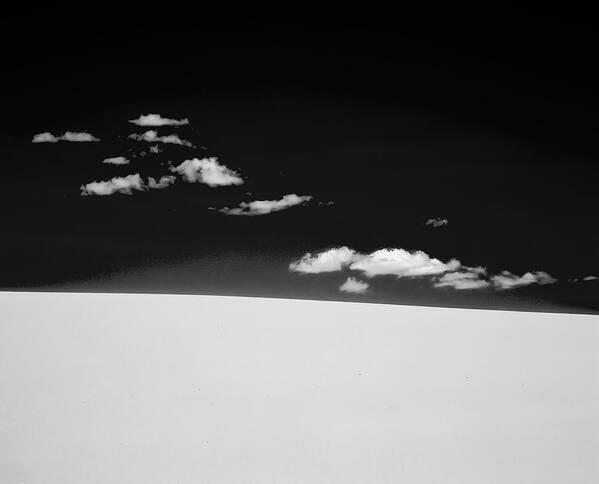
(157,120)
(507,280)
(68,136)
(263,207)
(207,171)
(163,182)
(124,185)
(590,278)
(437,222)
(45,138)
(354,286)
(78,137)
(155,149)
(329,203)
(151,136)
(117,160)
(402,263)
(331,260)
(467,278)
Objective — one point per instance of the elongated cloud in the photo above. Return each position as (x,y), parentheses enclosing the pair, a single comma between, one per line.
(163,182)
(157,120)
(355,286)
(207,171)
(590,278)
(437,222)
(397,262)
(68,136)
(124,185)
(331,260)
(117,160)
(78,137)
(151,136)
(467,278)
(402,263)
(263,207)
(507,280)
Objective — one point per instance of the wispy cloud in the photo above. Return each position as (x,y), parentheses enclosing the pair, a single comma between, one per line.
(157,120)
(117,160)
(151,136)
(263,207)
(68,136)
(507,280)
(466,278)
(155,149)
(437,222)
(207,171)
(590,278)
(124,185)
(355,286)
(163,182)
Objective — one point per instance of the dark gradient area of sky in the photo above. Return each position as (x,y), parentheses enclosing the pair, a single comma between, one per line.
(490,124)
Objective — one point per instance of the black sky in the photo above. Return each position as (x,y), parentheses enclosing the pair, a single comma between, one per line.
(488,120)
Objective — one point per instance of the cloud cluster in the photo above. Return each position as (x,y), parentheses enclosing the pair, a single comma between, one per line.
(437,222)
(403,263)
(157,120)
(68,136)
(117,160)
(355,286)
(207,171)
(263,207)
(507,280)
(151,136)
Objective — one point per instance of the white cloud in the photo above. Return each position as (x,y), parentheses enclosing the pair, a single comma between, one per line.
(331,260)
(263,207)
(207,171)
(44,138)
(590,278)
(157,120)
(155,149)
(437,222)
(68,136)
(402,263)
(78,137)
(467,278)
(124,185)
(117,160)
(151,136)
(354,286)
(507,280)
(163,182)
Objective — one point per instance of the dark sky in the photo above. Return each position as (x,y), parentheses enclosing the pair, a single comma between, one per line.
(488,121)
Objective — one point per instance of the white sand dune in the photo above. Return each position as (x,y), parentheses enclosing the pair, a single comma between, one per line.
(105,389)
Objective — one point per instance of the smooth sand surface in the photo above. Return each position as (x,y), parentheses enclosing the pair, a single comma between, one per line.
(103,389)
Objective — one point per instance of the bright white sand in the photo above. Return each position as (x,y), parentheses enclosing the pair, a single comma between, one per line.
(189,389)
